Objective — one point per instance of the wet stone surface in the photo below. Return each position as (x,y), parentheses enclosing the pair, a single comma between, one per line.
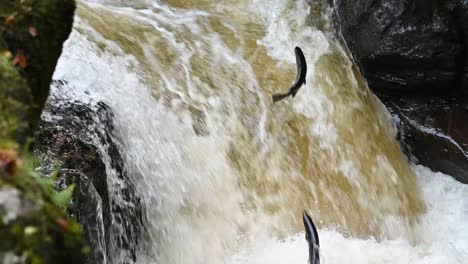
(78,137)
(434,132)
(408,46)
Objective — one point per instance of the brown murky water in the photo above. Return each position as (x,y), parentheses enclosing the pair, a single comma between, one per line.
(214,66)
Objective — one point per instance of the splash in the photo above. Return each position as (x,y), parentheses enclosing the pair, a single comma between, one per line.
(218,166)
(443,229)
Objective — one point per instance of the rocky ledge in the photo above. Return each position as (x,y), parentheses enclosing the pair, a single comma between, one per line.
(414,54)
(434,132)
(403,46)
(79,138)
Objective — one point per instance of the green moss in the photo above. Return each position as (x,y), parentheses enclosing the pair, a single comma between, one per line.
(34,33)
(42,233)
(39,238)
(51,21)
(14,93)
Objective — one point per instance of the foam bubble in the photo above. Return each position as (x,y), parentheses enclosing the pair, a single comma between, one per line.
(443,235)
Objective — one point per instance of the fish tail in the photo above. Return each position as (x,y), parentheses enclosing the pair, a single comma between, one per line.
(278,97)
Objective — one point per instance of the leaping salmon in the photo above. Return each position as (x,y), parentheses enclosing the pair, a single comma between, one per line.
(301,65)
(312,238)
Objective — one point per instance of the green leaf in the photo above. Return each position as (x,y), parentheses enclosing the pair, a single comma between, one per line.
(63,198)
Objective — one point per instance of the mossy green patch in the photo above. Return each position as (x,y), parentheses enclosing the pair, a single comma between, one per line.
(15,102)
(41,233)
(32,33)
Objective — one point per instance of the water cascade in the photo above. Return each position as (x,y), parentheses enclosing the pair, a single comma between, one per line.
(223,174)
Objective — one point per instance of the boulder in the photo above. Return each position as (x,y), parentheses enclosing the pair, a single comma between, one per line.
(434,132)
(408,46)
(414,54)
(462,15)
(78,137)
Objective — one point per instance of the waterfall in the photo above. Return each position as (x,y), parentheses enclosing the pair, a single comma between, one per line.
(222,173)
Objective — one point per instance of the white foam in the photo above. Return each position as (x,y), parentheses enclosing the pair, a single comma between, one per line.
(443,232)
(189,187)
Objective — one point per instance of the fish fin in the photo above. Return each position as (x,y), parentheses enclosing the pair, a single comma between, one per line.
(312,238)
(278,97)
(294,92)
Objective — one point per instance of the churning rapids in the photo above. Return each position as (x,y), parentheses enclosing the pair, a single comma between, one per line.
(223,174)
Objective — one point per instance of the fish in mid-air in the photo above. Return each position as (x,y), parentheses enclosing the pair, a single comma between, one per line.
(312,238)
(300,77)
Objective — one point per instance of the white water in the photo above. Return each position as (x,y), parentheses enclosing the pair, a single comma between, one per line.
(223,174)
(444,230)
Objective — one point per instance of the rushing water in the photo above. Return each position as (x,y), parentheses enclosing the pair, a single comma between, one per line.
(222,172)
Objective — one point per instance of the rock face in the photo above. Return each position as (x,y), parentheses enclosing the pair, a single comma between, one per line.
(462,15)
(414,54)
(79,138)
(434,132)
(417,46)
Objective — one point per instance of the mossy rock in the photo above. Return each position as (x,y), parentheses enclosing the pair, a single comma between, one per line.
(14,111)
(34,225)
(32,36)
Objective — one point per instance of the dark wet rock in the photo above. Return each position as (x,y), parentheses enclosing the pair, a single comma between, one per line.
(414,54)
(79,137)
(88,209)
(434,132)
(408,46)
(462,15)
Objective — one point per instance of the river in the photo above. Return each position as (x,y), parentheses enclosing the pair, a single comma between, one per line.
(223,173)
